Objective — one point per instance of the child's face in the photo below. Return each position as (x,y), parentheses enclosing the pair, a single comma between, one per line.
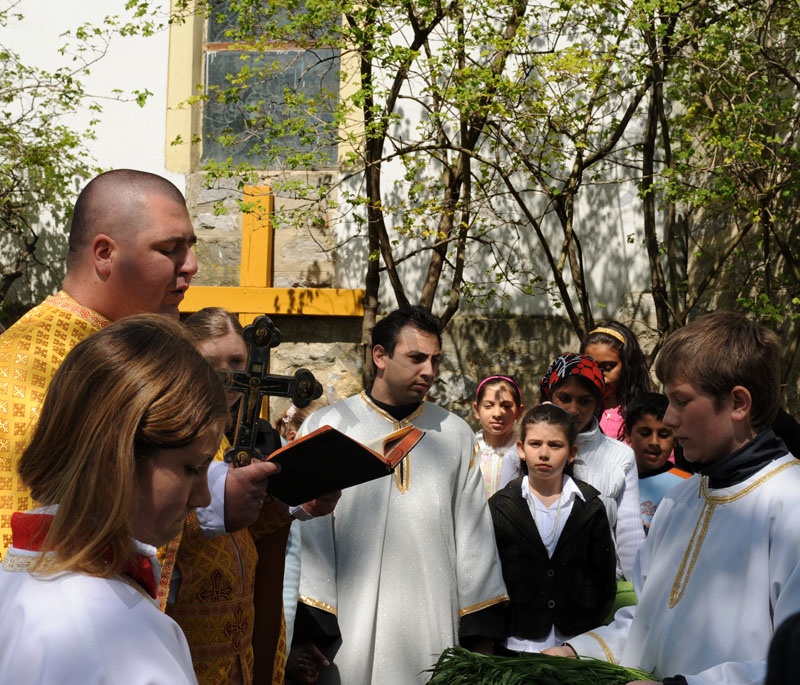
(497,411)
(705,431)
(546,451)
(609,362)
(652,443)
(226,353)
(573,397)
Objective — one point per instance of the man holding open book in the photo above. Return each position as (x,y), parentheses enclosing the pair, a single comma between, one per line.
(407,565)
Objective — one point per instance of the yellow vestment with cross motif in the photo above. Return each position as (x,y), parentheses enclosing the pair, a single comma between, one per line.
(30,352)
(215,604)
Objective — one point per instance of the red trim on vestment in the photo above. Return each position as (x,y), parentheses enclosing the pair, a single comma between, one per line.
(30,530)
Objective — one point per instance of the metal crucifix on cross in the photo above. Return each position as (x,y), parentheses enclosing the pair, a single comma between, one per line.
(255,383)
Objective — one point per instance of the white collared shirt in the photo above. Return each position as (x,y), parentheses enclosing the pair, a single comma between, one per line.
(550,520)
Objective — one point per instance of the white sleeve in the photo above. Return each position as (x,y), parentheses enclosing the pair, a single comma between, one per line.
(291,579)
(480,579)
(733,672)
(629,532)
(606,642)
(212,517)
(511,466)
(317,586)
(83,630)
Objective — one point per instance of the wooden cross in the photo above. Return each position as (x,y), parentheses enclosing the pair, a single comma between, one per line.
(255,383)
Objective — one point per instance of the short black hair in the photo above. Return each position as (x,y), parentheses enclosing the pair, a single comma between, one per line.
(386,332)
(114,199)
(646,404)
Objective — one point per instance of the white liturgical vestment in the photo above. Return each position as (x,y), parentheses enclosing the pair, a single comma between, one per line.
(75,629)
(403,557)
(718,572)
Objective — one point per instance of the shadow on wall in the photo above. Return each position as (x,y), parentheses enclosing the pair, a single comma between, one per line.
(40,278)
(475,347)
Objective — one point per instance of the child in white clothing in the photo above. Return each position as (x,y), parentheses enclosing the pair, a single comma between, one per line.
(575,382)
(497,407)
(719,570)
(129,426)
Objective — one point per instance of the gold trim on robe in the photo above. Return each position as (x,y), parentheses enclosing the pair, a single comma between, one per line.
(402,472)
(710,502)
(483,605)
(323,606)
(604,646)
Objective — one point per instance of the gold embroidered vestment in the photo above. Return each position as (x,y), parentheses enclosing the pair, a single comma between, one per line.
(30,352)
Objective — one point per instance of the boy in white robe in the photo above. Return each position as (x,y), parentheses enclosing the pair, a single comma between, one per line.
(720,568)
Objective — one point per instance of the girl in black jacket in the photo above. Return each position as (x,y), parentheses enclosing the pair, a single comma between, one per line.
(554,540)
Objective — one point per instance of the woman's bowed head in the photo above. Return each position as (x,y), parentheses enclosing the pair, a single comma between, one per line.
(130,423)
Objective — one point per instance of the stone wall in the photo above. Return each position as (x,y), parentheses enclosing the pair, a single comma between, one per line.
(303,255)
(473,347)
(330,347)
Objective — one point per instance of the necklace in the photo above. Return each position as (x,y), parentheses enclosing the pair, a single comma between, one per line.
(552,538)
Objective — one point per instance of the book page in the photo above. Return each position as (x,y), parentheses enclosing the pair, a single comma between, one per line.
(327,460)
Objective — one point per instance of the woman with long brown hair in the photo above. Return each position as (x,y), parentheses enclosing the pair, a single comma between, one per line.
(118,459)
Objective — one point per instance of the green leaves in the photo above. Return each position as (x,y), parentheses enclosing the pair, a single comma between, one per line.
(484,145)
(458,666)
(43,157)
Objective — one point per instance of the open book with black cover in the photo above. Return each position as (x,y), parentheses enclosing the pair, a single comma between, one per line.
(327,460)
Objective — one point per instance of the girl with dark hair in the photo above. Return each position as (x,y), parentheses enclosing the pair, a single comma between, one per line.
(554,540)
(625,372)
(497,408)
(574,382)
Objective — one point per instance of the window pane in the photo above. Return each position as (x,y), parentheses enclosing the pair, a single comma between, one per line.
(271,19)
(253,123)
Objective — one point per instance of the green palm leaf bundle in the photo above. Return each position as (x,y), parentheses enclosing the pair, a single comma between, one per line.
(459,666)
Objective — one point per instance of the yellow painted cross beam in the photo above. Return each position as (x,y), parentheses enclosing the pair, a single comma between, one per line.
(255,296)
(308,301)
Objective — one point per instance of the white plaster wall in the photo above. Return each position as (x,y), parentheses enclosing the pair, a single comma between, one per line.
(128,135)
(134,137)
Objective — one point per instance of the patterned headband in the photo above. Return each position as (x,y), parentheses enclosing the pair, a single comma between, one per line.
(572,364)
(508,380)
(609,331)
